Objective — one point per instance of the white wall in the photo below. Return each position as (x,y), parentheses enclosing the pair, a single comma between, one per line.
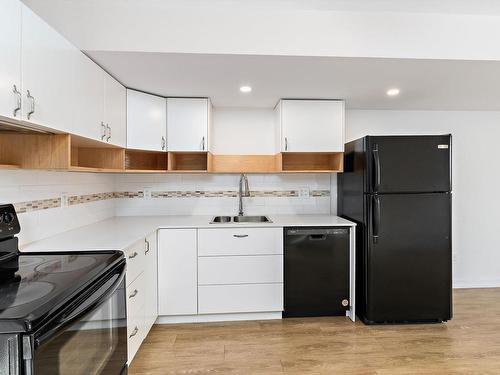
(476,176)
(24,185)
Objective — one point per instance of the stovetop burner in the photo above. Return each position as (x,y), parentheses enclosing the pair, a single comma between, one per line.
(16,294)
(66,264)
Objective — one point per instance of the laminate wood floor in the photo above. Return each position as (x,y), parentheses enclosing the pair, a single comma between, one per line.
(467,344)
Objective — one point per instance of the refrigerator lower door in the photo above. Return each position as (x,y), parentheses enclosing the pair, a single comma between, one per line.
(408,164)
(408,258)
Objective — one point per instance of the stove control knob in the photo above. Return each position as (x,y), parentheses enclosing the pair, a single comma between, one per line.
(7,217)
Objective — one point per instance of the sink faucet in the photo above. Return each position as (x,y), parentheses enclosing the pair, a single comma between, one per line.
(242,194)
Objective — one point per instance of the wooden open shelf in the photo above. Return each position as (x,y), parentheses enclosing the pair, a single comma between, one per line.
(242,163)
(139,161)
(185,162)
(74,153)
(35,151)
(94,156)
(311,162)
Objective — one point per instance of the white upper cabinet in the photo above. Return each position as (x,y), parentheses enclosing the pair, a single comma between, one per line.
(115,111)
(311,125)
(89,114)
(146,121)
(48,70)
(10,58)
(187,124)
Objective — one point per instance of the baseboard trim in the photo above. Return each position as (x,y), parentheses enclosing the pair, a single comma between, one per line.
(476,284)
(205,318)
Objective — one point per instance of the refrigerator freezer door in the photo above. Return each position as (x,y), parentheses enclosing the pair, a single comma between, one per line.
(408,259)
(408,164)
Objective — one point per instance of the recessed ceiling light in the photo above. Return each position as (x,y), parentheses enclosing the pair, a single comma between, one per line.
(393,92)
(245,89)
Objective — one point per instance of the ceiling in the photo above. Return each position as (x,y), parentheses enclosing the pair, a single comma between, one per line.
(483,7)
(424,84)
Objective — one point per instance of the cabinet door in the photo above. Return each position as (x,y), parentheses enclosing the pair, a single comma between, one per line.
(187,124)
(48,66)
(146,121)
(10,57)
(177,276)
(115,111)
(88,116)
(312,125)
(151,273)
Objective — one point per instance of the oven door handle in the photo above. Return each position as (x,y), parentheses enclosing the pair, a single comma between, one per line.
(77,309)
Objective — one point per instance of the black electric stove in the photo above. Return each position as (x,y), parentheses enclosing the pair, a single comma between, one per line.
(58,307)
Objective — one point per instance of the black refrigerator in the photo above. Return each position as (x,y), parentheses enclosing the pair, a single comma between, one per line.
(398,190)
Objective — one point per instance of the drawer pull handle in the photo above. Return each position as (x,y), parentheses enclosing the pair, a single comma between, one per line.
(240,235)
(133,294)
(147,247)
(133,255)
(134,332)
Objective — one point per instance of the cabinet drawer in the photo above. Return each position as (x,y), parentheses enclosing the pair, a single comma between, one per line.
(240,241)
(135,260)
(134,337)
(136,293)
(217,299)
(240,269)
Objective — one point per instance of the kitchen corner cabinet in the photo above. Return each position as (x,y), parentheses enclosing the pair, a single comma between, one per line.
(146,121)
(310,125)
(48,69)
(10,59)
(177,279)
(115,112)
(188,123)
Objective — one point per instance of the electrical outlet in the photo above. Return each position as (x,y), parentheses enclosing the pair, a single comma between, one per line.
(147,192)
(64,199)
(304,192)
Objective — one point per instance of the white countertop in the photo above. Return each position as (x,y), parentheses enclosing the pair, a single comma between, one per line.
(120,232)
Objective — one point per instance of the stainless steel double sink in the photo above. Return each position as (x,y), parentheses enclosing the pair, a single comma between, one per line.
(240,219)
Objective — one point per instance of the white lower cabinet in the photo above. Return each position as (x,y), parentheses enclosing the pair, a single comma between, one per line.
(141,292)
(177,272)
(220,271)
(244,298)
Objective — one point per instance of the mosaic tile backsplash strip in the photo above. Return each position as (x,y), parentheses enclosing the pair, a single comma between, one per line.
(44,204)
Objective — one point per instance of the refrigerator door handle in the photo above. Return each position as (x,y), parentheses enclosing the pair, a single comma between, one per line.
(376,218)
(376,159)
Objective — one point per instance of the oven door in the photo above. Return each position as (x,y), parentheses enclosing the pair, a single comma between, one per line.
(88,337)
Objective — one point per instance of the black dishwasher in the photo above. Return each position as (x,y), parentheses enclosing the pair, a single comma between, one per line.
(316,271)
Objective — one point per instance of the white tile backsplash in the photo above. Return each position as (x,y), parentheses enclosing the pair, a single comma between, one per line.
(22,186)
